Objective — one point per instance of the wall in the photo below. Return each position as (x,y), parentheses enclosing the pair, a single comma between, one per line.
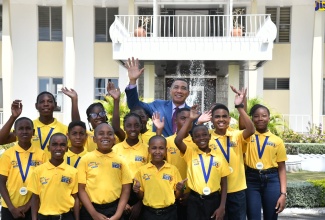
(50,59)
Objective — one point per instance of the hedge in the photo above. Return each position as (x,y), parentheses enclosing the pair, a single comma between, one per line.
(305,148)
(306,194)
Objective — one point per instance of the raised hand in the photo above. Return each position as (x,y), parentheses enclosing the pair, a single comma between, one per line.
(112,91)
(133,70)
(159,124)
(180,185)
(194,112)
(204,117)
(70,93)
(136,186)
(240,95)
(16,108)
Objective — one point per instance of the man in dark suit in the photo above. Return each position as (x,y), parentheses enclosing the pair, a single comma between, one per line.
(179,91)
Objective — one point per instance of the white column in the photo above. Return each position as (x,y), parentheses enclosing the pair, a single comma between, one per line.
(7,60)
(255,83)
(84,56)
(233,76)
(318,67)
(155,18)
(24,38)
(149,82)
(69,56)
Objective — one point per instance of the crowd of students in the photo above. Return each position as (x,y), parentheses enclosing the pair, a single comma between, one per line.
(63,172)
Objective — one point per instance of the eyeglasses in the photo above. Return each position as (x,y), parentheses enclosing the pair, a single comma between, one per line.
(95,115)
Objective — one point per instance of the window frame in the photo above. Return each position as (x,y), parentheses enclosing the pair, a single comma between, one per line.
(50,22)
(277,22)
(276,83)
(100,91)
(107,26)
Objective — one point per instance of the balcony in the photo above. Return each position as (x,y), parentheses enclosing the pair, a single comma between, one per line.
(193,37)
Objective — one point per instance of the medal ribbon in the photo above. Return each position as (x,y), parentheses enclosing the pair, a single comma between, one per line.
(47,138)
(261,152)
(227,155)
(75,164)
(206,175)
(24,176)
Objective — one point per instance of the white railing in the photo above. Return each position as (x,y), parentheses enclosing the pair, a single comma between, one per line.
(301,123)
(191,25)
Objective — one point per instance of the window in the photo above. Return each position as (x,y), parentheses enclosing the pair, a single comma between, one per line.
(104,18)
(0,22)
(52,85)
(276,83)
(323,96)
(49,23)
(100,87)
(281,16)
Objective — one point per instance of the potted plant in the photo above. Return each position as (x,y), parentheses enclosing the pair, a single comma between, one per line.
(237,30)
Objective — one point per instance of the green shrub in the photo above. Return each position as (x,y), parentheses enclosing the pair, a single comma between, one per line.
(321,185)
(305,148)
(304,194)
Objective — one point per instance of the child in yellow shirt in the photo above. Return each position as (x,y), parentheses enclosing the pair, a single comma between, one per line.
(158,184)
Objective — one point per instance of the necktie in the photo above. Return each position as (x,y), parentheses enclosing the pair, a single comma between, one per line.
(174,120)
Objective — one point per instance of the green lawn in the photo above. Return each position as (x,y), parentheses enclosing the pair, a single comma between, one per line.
(304,175)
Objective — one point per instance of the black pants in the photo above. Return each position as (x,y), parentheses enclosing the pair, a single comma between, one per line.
(168,213)
(64,216)
(202,207)
(181,210)
(108,210)
(6,215)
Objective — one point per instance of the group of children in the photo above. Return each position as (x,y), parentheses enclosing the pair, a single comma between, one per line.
(132,173)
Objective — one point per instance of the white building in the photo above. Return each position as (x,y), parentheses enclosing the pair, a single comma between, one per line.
(47,44)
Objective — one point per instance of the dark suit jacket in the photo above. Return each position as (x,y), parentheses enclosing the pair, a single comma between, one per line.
(164,107)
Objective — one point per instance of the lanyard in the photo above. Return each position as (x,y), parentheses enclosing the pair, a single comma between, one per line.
(24,176)
(75,164)
(206,175)
(261,152)
(46,139)
(226,154)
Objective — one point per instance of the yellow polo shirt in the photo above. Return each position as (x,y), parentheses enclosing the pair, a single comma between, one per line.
(9,167)
(236,180)
(90,145)
(44,132)
(196,180)
(103,175)
(145,137)
(274,151)
(55,187)
(73,159)
(135,156)
(158,185)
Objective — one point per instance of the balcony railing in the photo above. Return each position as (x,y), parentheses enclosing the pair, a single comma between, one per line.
(191,26)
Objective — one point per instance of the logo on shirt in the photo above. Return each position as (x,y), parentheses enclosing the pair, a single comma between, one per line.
(140,159)
(215,164)
(167,177)
(270,144)
(233,144)
(146,176)
(213,147)
(172,150)
(195,162)
(93,164)
(116,165)
(14,164)
(66,179)
(35,163)
(44,180)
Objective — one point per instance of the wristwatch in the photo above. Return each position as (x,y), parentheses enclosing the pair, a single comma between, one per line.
(240,105)
(285,194)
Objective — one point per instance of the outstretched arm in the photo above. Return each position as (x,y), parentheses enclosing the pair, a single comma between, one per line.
(181,134)
(116,94)
(75,116)
(5,135)
(249,126)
